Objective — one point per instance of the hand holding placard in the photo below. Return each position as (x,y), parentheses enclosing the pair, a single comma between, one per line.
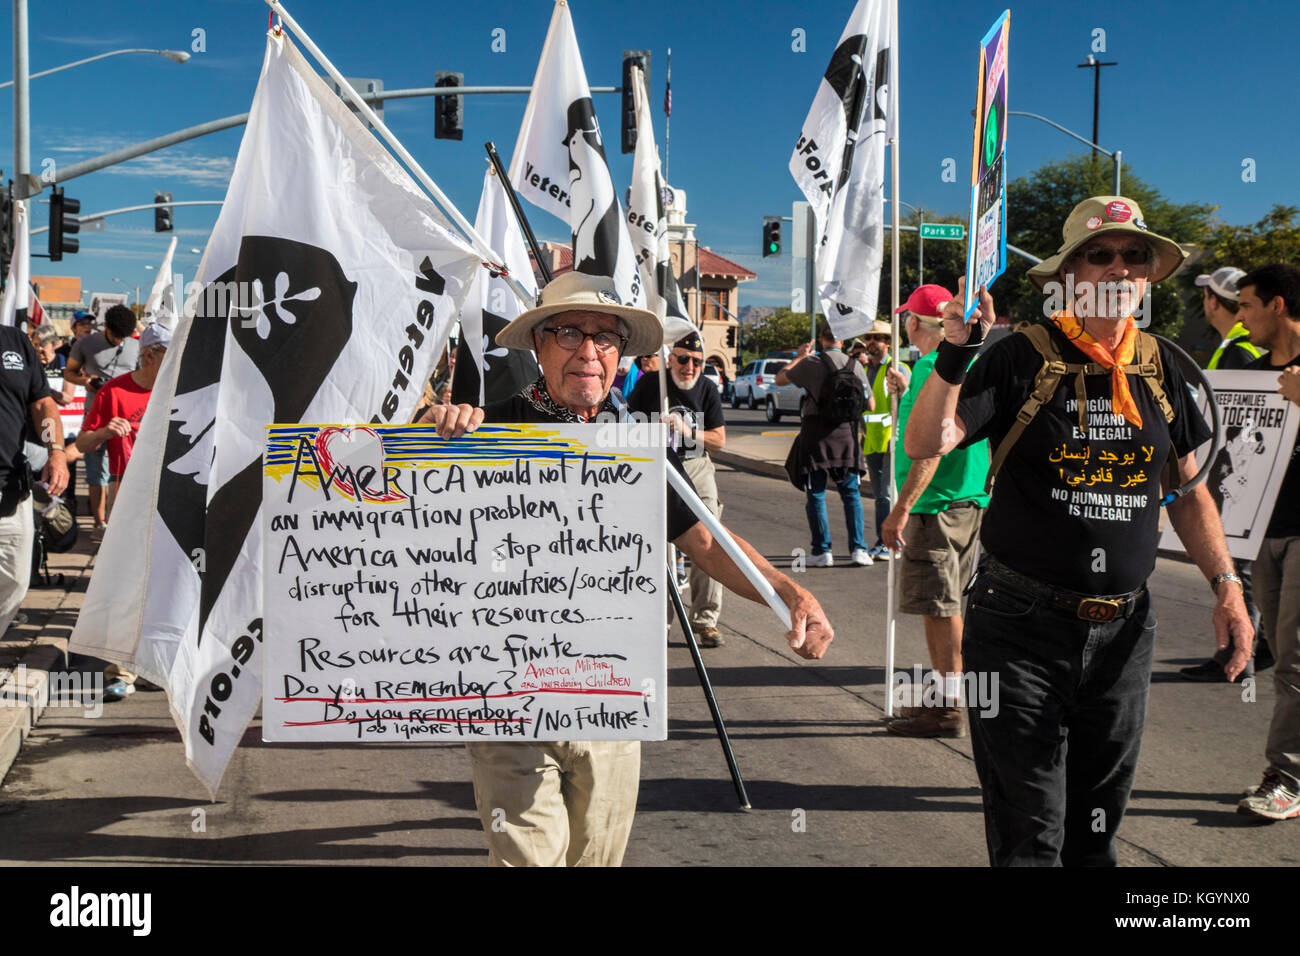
(959,330)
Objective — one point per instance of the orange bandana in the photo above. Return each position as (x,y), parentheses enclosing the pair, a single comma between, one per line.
(1121,398)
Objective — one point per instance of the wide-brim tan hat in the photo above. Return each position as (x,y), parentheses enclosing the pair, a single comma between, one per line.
(1106,215)
(579,292)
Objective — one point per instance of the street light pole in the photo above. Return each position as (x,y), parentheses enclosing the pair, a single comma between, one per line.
(1092,63)
(1115,156)
(22,121)
(176,56)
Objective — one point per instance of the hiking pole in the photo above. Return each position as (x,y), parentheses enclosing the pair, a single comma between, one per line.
(707,687)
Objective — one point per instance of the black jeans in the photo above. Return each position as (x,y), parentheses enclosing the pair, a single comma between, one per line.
(1057,752)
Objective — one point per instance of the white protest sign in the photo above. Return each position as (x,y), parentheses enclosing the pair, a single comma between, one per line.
(72,413)
(506,585)
(1259,428)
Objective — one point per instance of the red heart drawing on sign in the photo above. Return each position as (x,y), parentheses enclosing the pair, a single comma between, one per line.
(352,456)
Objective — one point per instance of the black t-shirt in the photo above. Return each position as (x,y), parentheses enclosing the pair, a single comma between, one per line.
(22,381)
(516,408)
(1081,512)
(1285,521)
(700,405)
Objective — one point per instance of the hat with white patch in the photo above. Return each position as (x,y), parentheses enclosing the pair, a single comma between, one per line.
(1107,215)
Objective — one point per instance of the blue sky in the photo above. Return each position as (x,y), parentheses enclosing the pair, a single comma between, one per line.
(1199,88)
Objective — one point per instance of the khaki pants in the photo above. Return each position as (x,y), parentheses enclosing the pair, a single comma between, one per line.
(556,803)
(16,533)
(706,593)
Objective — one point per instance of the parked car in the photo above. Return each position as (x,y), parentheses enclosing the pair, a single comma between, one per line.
(755,380)
(783,399)
(712,375)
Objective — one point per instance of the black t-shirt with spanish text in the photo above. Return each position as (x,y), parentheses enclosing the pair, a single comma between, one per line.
(516,408)
(1077,511)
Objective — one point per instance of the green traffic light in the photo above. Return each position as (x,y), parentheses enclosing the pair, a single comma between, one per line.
(773,247)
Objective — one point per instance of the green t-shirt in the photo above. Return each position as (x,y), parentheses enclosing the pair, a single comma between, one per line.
(962,472)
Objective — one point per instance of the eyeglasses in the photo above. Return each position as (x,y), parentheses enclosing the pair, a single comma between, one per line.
(688,360)
(567,337)
(1101,256)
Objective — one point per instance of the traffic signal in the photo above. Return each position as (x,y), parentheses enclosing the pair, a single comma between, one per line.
(731,336)
(63,221)
(448,121)
(771,236)
(162,215)
(632,58)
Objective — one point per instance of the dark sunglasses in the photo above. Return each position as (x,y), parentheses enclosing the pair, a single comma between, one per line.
(688,360)
(1101,256)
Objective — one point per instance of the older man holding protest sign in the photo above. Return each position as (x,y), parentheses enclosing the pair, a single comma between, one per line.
(572,802)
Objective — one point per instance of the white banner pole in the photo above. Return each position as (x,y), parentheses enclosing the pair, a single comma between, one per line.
(895,236)
(723,537)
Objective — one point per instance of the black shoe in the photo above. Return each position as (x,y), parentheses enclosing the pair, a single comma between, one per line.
(1210,672)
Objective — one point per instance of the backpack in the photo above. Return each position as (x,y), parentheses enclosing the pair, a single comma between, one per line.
(1146,363)
(841,399)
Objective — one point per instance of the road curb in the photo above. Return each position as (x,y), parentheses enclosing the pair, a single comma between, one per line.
(757,466)
(24,695)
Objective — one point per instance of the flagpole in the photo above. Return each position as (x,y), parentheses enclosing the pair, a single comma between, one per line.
(895,235)
(520,218)
(668,113)
(484,251)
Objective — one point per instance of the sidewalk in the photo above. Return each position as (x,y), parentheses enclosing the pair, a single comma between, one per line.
(762,454)
(30,650)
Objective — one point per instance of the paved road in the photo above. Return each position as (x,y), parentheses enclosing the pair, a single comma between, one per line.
(828,784)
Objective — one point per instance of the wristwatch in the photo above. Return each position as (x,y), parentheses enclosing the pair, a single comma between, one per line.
(1225,576)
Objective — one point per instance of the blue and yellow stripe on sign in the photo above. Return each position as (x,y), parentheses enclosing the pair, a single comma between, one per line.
(419,447)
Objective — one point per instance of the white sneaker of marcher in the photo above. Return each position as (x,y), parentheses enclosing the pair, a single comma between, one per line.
(826,560)
(861,557)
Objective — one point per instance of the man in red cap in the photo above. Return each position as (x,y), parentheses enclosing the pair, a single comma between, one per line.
(935,523)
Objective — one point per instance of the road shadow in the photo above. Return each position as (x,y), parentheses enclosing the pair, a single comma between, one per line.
(677,794)
(69,830)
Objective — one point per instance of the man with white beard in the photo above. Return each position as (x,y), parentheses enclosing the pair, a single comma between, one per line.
(1091,423)
(695,420)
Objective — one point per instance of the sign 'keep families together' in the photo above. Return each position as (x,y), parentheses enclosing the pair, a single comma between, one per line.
(507,585)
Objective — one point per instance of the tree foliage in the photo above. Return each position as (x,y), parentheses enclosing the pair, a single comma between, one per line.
(780,331)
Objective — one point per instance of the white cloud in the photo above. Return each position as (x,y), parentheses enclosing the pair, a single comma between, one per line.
(175,162)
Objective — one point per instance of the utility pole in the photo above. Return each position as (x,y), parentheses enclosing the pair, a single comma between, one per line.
(1092,63)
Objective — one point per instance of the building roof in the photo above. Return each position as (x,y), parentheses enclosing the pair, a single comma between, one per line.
(712,264)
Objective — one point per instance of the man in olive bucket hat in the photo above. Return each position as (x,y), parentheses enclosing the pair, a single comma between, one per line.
(1090,422)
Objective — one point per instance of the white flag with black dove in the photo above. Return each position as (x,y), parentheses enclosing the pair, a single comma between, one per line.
(647,222)
(559,163)
(327,290)
(839,165)
(486,372)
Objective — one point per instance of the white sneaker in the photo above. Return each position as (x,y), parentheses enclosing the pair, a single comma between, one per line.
(826,560)
(861,557)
